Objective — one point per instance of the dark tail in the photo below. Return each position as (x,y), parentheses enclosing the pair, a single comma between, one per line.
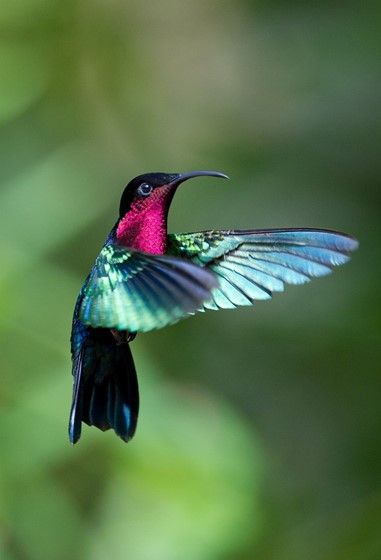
(105,392)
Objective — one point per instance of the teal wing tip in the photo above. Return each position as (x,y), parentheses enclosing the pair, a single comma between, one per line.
(353,243)
(345,244)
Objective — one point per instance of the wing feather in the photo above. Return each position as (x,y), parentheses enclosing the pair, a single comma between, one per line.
(134,291)
(253,264)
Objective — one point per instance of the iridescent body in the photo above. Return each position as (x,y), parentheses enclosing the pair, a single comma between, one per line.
(145,279)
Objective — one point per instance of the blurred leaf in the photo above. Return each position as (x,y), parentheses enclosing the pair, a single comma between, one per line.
(20,12)
(50,201)
(24,76)
(45,524)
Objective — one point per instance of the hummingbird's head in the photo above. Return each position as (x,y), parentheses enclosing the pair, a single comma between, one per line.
(144,208)
(155,189)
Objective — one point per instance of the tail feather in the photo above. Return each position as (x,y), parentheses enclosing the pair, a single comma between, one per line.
(105,392)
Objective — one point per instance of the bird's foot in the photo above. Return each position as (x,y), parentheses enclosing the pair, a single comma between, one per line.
(122,337)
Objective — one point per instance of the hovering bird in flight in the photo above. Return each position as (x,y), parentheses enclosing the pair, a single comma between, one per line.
(145,279)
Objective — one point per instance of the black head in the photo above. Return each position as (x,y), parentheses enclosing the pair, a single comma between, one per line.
(142,186)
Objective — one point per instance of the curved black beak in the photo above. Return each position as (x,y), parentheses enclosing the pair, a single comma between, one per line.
(181,177)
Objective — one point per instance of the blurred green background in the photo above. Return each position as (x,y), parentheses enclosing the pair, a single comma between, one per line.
(259,434)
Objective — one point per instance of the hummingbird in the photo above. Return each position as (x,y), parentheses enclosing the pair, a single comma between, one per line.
(145,278)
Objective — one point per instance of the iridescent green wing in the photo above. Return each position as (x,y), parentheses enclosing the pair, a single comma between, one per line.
(251,265)
(129,290)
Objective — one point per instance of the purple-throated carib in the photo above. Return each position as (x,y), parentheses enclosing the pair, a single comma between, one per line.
(145,278)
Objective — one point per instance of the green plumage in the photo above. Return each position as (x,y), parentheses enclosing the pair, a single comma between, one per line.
(133,291)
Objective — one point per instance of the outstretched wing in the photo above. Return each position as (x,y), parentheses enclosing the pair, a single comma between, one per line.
(129,290)
(251,265)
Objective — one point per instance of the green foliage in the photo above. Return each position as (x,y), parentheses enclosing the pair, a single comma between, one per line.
(259,433)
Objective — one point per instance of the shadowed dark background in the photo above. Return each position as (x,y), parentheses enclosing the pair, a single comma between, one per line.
(259,434)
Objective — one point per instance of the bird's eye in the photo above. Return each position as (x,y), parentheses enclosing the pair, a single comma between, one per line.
(144,189)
